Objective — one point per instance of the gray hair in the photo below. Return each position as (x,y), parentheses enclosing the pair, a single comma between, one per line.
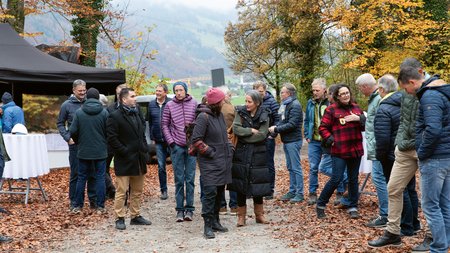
(366,79)
(104,100)
(408,73)
(320,81)
(78,82)
(256,97)
(411,62)
(291,88)
(258,84)
(388,83)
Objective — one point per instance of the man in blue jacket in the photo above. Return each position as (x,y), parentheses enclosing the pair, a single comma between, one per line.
(12,114)
(314,111)
(433,151)
(155,111)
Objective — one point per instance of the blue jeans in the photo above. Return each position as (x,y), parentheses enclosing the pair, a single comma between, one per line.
(435,186)
(326,168)
(74,163)
(379,180)
(314,157)
(184,173)
(86,167)
(233,199)
(161,155)
(292,152)
(270,151)
(409,221)
(339,166)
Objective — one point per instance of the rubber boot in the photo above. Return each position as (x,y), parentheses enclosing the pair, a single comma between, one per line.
(259,214)
(216,226)
(208,232)
(241,213)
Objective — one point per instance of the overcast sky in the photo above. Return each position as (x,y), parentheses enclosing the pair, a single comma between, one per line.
(215,5)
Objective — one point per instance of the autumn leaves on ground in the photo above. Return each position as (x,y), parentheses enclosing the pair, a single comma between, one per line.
(40,224)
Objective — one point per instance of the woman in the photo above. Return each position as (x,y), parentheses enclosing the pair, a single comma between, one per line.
(341,129)
(250,172)
(214,151)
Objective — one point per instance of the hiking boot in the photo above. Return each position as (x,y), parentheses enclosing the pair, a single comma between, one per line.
(188,215)
(297,199)
(216,226)
(139,220)
(120,223)
(4,239)
(288,196)
(387,239)
(353,214)
(233,211)
(76,210)
(424,246)
(223,211)
(180,216)
(379,222)
(312,199)
(208,232)
(320,213)
(164,195)
(338,199)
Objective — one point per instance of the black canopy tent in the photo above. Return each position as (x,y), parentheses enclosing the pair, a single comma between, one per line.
(25,69)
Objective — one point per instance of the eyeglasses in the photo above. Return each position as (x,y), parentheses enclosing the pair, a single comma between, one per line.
(344,94)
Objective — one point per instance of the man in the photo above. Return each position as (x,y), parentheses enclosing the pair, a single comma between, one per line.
(368,86)
(12,114)
(63,123)
(178,114)
(155,111)
(3,158)
(271,104)
(88,129)
(126,137)
(314,111)
(433,151)
(290,129)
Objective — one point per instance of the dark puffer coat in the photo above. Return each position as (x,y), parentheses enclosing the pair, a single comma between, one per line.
(250,172)
(215,160)
(387,121)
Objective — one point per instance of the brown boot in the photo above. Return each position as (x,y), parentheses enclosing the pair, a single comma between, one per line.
(241,213)
(259,213)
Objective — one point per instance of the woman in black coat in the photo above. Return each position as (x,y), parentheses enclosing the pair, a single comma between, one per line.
(250,171)
(210,142)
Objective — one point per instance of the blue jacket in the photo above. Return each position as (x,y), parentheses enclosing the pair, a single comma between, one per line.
(154,120)
(66,114)
(387,121)
(309,116)
(433,120)
(272,105)
(12,114)
(290,125)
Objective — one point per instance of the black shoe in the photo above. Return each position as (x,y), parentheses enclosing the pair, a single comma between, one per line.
(120,224)
(164,195)
(5,239)
(139,220)
(424,246)
(216,226)
(207,230)
(3,210)
(378,222)
(388,239)
(320,213)
(180,216)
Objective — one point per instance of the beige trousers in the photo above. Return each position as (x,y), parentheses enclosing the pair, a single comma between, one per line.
(136,185)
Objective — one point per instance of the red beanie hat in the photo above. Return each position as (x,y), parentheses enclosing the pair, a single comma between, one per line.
(214,96)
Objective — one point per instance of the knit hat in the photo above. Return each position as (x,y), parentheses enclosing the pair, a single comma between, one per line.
(182,84)
(6,98)
(92,93)
(214,96)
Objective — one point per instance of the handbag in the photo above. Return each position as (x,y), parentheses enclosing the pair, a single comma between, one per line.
(231,136)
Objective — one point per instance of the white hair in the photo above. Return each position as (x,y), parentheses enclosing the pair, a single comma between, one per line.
(320,81)
(366,79)
(388,83)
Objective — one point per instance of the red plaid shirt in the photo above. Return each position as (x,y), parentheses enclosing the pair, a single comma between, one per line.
(347,135)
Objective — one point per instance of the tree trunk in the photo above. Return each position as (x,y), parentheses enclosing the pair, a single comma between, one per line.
(16,9)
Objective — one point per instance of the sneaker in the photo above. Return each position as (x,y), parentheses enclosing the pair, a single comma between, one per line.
(223,211)
(320,213)
(297,199)
(288,196)
(312,199)
(233,211)
(338,199)
(188,215)
(387,239)
(353,214)
(180,216)
(424,246)
(164,195)
(379,222)
(101,210)
(76,210)
(139,220)
(120,223)
(5,239)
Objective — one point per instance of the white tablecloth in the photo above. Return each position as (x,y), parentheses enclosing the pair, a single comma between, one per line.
(28,155)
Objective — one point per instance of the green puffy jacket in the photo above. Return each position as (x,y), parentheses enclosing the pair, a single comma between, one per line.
(406,134)
(374,101)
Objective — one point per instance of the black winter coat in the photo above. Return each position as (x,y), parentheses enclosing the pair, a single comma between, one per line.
(215,162)
(386,125)
(127,140)
(250,172)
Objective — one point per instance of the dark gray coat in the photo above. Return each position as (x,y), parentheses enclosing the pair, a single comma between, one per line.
(215,164)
